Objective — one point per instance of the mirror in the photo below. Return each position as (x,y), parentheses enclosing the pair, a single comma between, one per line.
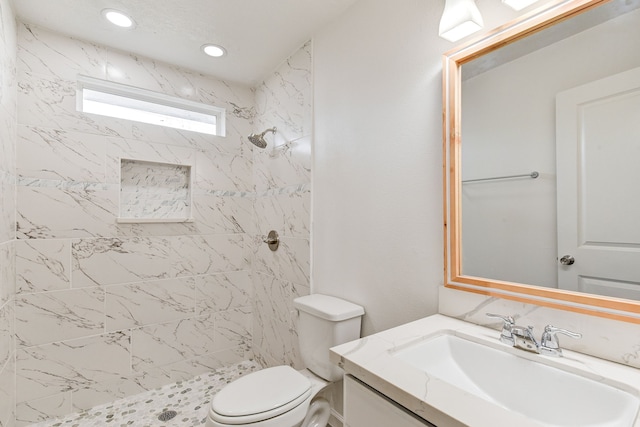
(542,140)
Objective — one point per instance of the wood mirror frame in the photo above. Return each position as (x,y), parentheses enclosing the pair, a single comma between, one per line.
(547,16)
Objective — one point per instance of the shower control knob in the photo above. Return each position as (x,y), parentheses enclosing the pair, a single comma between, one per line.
(567,260)
(272,240)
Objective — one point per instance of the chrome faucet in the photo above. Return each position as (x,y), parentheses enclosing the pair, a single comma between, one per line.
(506,336)
(522,337)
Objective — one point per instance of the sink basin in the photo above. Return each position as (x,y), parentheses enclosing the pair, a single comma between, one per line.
(551,396)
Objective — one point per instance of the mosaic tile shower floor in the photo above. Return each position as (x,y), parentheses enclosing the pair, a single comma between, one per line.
(190,399)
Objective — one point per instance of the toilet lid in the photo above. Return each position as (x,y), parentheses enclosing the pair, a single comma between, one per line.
(260,391)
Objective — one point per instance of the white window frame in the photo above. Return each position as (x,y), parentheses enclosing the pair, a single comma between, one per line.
(171,111)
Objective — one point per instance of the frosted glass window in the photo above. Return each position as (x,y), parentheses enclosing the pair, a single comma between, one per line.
(130,103)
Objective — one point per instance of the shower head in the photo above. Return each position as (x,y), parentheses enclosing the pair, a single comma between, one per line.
(258,140)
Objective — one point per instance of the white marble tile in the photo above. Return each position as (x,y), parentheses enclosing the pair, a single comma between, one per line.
(183,370)
(104,392)
(59,315)
(163,135)
(72,365)
(218,214)
(289,213)
(154,190)
(44,52)
(233,328)
(145,303)
(290,263)
(238,100)
(286,166)
(274,320)
(122,260)
(165,229)
(162,344)
(215,171)
(139,71)
(223,291)
(49,102)
(7,271)
(8,54)
(190,398)
(49,212)
(7,394)
(284,97)
(273,298)
(7,343)
(8,136)
(43,409)
(61,155)
(131,149)
(8,207)
(43,265)
(207,254)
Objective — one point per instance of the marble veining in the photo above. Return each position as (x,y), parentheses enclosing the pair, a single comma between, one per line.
(154,190)
(61,315)
(189,398)
(597,333)
(72,365)
(69,212)
(138,304)
(43,265)
(66,156)
(129,307)
(223,291)
(371,360)
(162,344)
(46,53)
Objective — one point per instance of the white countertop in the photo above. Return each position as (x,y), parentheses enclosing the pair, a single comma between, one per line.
(370,360)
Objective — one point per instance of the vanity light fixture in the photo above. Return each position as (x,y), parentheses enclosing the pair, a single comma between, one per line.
(459,19)
(213,50)
(518,4)
(118,18)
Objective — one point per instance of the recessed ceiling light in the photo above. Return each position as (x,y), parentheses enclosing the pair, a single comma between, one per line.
(214,50)
(118,18)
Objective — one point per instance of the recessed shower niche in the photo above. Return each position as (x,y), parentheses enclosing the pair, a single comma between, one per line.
(154,192)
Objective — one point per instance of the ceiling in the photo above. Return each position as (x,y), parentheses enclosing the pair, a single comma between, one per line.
(257,34)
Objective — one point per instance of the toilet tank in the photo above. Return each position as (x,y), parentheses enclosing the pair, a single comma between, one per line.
(325,321)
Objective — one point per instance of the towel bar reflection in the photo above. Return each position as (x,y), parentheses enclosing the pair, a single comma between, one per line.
(532,175)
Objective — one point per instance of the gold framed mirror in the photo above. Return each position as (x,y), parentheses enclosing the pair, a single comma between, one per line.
(490,230)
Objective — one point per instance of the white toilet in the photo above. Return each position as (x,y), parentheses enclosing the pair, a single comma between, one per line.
(281,396)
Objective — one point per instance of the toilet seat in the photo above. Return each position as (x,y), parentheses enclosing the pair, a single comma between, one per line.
(260,395)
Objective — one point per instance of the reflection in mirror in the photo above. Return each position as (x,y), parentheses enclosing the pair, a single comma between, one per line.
(548,159)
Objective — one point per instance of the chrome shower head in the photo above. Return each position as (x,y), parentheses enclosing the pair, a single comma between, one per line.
(258,140)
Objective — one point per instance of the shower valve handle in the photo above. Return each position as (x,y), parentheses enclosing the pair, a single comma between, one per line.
(272,240)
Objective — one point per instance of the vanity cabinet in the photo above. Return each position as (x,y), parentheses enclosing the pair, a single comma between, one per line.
(365,407)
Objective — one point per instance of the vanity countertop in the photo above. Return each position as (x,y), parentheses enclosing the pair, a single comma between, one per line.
(370,360)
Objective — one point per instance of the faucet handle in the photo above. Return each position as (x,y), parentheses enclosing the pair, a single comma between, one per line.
(549,343)
(505,336)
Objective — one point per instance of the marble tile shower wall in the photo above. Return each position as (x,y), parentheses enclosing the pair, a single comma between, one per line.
(282,175)
(8,120)
(104,310)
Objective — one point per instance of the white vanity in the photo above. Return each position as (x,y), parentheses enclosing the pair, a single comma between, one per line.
(386,383)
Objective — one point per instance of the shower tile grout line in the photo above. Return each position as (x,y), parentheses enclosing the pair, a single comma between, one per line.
(188,398)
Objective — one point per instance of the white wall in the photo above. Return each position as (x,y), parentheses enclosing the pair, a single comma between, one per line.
(377,211)
(377,170)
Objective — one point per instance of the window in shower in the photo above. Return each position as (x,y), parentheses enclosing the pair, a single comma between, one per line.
(131,103)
